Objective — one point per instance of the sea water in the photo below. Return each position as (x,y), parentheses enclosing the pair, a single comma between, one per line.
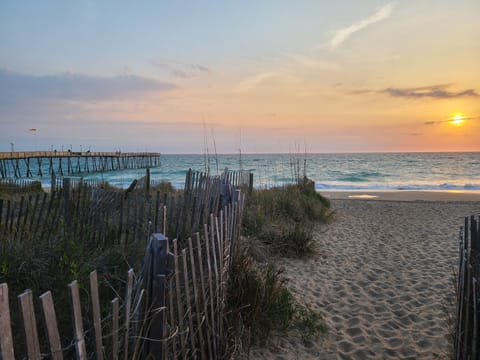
(367,171)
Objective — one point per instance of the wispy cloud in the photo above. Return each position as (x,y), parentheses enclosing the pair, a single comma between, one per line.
(255,81)
(313,63)
(434,91)
(436,122)
(342,35)
(17,87)
(182,70)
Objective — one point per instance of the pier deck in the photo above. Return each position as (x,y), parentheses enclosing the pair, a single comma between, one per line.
(59,163)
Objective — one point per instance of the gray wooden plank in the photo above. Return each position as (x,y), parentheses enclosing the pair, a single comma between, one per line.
(79,338)
(29,324)
(128,305)
(51,324)
(97,322)
(115,321)
(6,340)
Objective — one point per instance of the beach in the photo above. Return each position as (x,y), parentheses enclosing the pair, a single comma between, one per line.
(382,276)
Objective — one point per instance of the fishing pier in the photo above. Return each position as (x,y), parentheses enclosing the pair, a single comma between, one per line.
(59,163)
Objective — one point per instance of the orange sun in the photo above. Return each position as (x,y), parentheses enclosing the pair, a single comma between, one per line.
(457,119)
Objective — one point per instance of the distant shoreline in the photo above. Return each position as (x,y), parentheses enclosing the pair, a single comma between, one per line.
(404,195)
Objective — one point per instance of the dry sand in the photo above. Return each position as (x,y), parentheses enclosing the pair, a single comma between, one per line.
(382,278)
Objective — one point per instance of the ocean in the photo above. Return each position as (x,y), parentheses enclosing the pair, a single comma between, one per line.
(367,171)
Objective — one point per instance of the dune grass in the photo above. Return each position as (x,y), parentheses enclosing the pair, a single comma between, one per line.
(279,220)
(283,218)
(260,302)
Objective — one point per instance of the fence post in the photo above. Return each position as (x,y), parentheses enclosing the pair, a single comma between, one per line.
(66,203)
(147,181)
(250,183)
(158,266)
(53,186)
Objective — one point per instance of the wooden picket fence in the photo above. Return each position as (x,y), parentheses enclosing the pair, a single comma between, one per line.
(191,279)
(467,340)
(19,186)
(116,217)
(169,312)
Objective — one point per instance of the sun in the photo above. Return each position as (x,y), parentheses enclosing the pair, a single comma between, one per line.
(457,119)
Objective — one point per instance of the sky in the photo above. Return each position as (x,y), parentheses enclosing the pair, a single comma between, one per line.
(251,76)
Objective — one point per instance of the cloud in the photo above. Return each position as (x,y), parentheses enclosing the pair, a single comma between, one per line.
(449,120)
(256,81)
(313,63)
(182,70)
(434,91)
(16,87)
(200,68)
(342,35)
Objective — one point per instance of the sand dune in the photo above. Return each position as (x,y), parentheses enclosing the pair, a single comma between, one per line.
(382,278)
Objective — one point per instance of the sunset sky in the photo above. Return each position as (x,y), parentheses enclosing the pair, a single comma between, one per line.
(260,76)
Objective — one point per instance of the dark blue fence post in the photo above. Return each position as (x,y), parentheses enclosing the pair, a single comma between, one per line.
(158,266)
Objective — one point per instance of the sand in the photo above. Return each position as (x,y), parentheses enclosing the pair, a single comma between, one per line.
(382,278)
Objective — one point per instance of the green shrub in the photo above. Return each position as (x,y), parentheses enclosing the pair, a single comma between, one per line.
(309,323)
(164,187)
(285,217)
(297,240)
(258,298)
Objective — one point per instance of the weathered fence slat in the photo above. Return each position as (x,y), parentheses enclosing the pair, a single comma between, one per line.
(204,296)
(29,324)
(213,250)
(128,305)
(79,338)
(6,340)
(191,332)
(1,211)
(198,309)
(211,293)
(20,211)
(179,298)
(171,311)
(97,323)
(115,322)
(467,344)
(51,325)
(7,217)
(475,319)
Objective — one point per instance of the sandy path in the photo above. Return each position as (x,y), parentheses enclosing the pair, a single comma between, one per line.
(382,278)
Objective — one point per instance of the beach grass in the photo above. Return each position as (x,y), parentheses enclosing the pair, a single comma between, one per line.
(262,305)
(278,221)
(283,218)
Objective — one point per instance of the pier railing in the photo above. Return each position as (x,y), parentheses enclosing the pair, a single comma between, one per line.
(46,154)
(173,308)
(467,340)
